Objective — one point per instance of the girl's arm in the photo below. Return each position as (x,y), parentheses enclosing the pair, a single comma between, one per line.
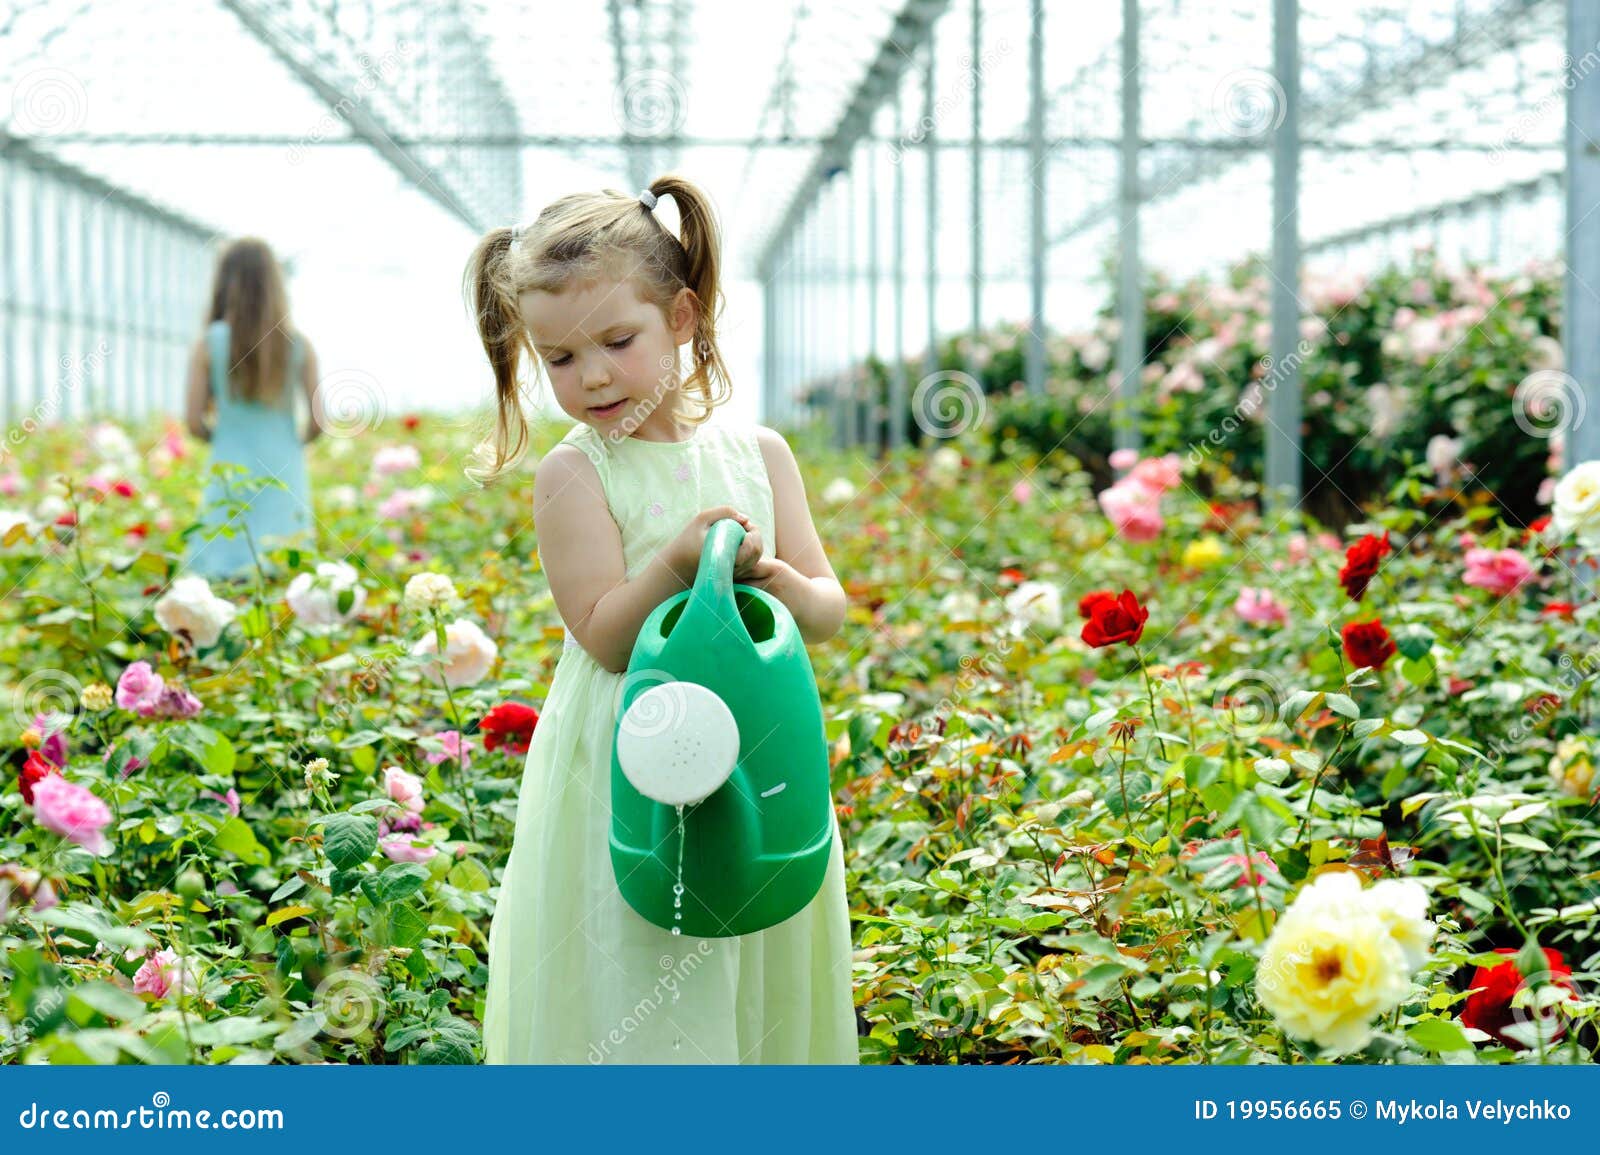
(197,392)
(308,381)
(799,574)
(580,548)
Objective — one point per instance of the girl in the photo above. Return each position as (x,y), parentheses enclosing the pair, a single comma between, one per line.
(248,364)
(603,295)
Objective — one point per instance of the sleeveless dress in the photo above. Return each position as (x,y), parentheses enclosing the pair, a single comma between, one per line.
(262,438)
(575,974)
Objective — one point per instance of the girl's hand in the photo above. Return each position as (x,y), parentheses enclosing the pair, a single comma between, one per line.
(683,552)
(769,574)
(749,553)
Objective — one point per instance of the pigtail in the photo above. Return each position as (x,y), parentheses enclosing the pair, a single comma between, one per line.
(702,245)
(500,329)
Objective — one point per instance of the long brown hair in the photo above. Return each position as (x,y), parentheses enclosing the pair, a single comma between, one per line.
(578,238)
(248,293)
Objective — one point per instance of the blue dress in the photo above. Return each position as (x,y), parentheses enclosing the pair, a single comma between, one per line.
(263,439)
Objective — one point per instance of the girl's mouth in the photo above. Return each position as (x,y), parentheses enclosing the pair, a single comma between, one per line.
(606,411)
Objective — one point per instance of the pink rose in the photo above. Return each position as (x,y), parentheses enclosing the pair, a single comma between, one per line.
(1124,459)
(174,702)
(54,745)
(161,974)
(404,788)
(1299,549)
(230,799)
(1259,607)
(139,688)
(401,848)
(1021,492)
(1159,473)
(453,748)
(73,812)
(1134,510)
(1500,571)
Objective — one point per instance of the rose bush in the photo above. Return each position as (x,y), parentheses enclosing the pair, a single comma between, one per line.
(1067,839)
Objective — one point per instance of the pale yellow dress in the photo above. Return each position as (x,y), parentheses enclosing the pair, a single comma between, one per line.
(575,975)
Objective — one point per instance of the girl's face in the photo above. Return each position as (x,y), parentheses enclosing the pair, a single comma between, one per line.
(612,356)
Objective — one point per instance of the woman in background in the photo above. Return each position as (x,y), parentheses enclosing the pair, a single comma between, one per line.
(245,370)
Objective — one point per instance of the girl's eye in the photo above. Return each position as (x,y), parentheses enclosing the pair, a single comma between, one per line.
(621,342)
(561,360)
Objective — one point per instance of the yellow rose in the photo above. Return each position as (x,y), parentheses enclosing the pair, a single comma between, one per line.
(1202,554)
(1341,956)
(1572,767)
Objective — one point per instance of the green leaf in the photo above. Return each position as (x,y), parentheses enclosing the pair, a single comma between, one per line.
(216,753)
(349,839)
(254,622)
(90,926)
(1138,784)
(1410,737)
(407,927)
(401,880)
(344,881)
(110,1000)
(453,1043)
(236,837)
(360,738)
(1344,704)
(1439,1035)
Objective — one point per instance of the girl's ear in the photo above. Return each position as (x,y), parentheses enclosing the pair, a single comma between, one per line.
(684,314)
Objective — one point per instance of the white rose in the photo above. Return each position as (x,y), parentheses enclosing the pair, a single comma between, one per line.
(469,653)
(10,518)
(839,491)
(190,608)
(1340,957)
(1035,604)
(1577,501)
(314,598)
(429,591)
(944,466)
(960,606)
(1402,905)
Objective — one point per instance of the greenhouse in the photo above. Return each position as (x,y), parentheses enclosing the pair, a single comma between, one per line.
(1118,587)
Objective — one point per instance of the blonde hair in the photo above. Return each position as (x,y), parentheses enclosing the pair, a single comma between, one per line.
(247,292)
(580,238)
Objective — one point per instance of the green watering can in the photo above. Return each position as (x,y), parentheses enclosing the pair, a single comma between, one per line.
(721,809)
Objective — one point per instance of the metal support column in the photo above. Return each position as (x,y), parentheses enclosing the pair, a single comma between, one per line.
(1036,189)
(1581,328)
(1283,379)
(869,428)
(930,248)
(976,208)
(897,374)
(1130,287)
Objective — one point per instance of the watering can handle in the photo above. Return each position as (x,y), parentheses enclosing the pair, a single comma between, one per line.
(712,595)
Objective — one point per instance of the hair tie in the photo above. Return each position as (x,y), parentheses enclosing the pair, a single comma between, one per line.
(648,199)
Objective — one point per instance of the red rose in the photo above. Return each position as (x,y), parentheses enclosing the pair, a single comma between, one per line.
(1088,601)
(1367,643)
(36,769)
(510,724)
(1361,563)
(1560,610)
(1489,1008)
(411,421)
(1010,576)
(124,489)
(1115,620)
